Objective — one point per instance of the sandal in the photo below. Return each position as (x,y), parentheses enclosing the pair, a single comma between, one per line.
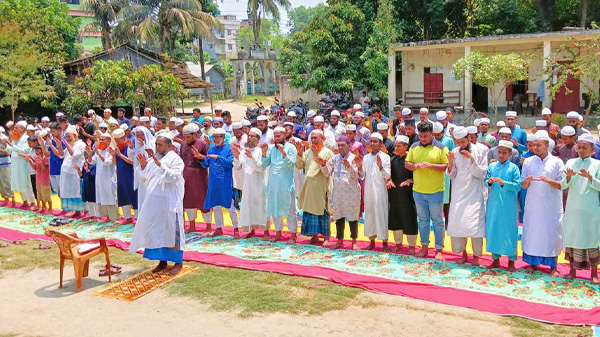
(3,245)
(42,246)
(20,243)
(114,270)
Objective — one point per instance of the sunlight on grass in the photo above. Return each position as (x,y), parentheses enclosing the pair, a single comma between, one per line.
(249,99)
(521,327)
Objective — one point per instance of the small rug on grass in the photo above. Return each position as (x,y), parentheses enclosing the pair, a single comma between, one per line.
(141,284)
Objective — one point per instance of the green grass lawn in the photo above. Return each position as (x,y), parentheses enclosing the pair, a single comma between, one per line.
(250,99)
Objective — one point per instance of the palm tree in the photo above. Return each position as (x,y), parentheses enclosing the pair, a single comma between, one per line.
(257,9)
(151,21)
(106,13)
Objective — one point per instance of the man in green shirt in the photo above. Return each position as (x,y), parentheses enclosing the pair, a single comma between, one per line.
(428,159)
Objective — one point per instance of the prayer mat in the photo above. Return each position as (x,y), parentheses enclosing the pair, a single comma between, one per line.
(536,296)
(141,284)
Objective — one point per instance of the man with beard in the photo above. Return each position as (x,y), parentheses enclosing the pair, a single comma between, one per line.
(159,229)
(298,173)
(5,173)
(193,152)
(281,198)
(253,214)
(328,136)
(388,144)
(20,179)
(313,198)
(262,123)
(298,129)
(219,162)
(553,129)
(467,166)
(126,195)
(238,143)
(121,117)
(336,126)
(362,132)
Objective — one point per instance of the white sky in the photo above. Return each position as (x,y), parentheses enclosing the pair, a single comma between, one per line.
(239,8)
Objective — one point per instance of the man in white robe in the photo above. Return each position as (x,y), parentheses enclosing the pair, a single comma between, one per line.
(20,179)
(106,178)
(159,229)
(253,213)
(542,174)
(376,168)
(467,165)
(238,141)
(298,173)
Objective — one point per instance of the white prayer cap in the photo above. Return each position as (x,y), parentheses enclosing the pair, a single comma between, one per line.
(172,119)
(335,113)
(22,124)
(218,108)
(573,114)
(317,131)
(460,132)
(103,125)
(59,114)
(357,107)
(350,127)
(546,111)
(124,127)
(178,122)
(541,122)
(256,132)
(119,133)
(581,118)
(219,131)
(91,112)
(319,119)
(471,130)
(291,113)
(10,124)
(165,134)
(407,111)
(288,124)
(424,109)
(586,137)
(135,118)
(505,130)
(438,127)
(42,134)
(484,120)
(45,119)
(30,127)
(246,122)
(144,119)
(567,131)
(113,121)
(359,114)
(147,109)
(210,118)
(189,129)
(506,143)
(500,124)
(71,129)
(530,137)
(108,110)
(262,118)
(541,135)
(377,135)
(441,115)
(342,130)
(382,126)
(280,129)
(236,125)
(272,123)
(476,122)
(311,113)
(402,139)
(105,135)
(511,114)
(218,119)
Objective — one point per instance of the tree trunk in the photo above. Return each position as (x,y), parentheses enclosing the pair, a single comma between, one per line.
(546,12)
(201,51)
(164,37)
(255,30)
(585,6)
(13,108)
(106,43)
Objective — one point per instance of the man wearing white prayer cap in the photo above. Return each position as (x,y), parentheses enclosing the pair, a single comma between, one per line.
(59,115)
(388,144)
(553,129)
(238,144)
(123,156)
(134,121)
(357,107)
(467,166)
(106,178)
(246,126)
(20,180)
(568,148)
(329,138)
(262,123)
(310,115)
(485,136)
(573,120)
(218,111)
(423,116)
(543,214)
(5,172)
(516,133)
(336,126)
(363,133)
(504,134)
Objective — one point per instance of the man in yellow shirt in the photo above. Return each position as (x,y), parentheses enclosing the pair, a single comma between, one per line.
(428,159)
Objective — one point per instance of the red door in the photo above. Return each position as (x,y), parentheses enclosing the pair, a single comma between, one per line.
(434,85)
(564,102)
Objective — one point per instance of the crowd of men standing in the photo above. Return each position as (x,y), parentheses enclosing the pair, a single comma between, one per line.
(403,174)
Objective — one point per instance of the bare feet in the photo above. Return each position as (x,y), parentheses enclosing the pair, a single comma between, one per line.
(207,229)
(595,279)
(191,229)
(530,270)
(354,244)
(475,262)
(439,256)
(292,240)
(495,264)
(162,265)
(398,247)
(314,239)
(339,244)
(5,202)
(176,269)
(277,237)
(386,248)
(554,272)
(511,266)
(371,246)
(250,234)
(266,235)
(423,252)
(218,232)
(236,233)
(463,259)
(326,243)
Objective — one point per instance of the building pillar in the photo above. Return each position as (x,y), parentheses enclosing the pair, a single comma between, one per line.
(252,78)
(391,80)
(468,88)
(547,79)
(244,88)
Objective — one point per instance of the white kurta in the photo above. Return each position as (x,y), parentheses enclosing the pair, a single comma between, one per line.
(467,205)
(106,179)
(20,180)
(376,195)
(253,210)
(543,208)
(298,175)
(238,174)
(345,191)
(163,205)
(69,178)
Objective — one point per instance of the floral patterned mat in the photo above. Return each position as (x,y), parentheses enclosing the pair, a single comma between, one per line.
(537,288)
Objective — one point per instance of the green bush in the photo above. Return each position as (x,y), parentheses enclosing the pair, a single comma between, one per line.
(559,119)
